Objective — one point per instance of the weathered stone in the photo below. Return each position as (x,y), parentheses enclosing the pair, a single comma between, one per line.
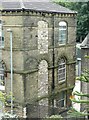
(28,55)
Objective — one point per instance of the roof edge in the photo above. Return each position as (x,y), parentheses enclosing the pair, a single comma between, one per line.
(24,9)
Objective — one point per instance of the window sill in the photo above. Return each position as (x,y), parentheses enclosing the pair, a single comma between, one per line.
(62,108)
(60,44)
(61,82)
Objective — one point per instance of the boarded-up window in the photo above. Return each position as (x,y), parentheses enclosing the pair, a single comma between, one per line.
(42,37)
(43,82)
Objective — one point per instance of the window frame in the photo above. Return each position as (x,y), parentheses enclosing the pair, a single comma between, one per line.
(63,32)
(62,68)
(61,102)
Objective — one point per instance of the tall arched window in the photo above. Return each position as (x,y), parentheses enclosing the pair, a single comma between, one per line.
(42,37)
(43,81)
(62,70)
(62,32)
(1,36)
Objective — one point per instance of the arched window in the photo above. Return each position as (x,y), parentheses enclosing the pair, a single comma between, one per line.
(42,37)
(62,32)
(62,70)
(43,81)
(1,36)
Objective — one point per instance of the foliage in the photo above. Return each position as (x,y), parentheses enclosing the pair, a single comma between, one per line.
(54,117)
(2,97)
(84,97)
(82,9)
(5,98)
(50,96)
(74,113)
(6,116)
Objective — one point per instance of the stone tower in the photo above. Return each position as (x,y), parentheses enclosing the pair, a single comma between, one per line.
(44,36)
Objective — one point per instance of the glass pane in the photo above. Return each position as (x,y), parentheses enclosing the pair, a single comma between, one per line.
(62,32)
(63,70)
(60,66)
(64,65)
(61,103)
(60,71)
(61,99)
(62,23)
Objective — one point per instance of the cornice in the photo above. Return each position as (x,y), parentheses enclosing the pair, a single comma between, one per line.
(35,13)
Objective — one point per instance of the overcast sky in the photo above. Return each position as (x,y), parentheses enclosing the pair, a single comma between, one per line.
(25,0)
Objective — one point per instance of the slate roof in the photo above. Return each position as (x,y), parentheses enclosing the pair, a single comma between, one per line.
(35,5)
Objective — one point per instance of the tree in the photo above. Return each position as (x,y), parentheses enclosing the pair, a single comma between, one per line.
(84,97)
(4,102)
(54,117)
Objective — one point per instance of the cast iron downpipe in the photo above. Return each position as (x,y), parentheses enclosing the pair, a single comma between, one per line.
(53,60)
(11,67)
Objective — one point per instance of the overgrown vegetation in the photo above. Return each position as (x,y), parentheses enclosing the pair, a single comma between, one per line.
(83,97)
(54,117)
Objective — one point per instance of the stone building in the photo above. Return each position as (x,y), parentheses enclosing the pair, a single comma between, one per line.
(85,66)
(44,36)
(85,61)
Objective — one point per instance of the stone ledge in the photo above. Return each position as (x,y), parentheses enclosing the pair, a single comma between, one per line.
(22,71)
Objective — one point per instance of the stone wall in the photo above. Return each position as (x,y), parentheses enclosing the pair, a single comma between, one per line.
(28,52)
(85,66)
(67,51)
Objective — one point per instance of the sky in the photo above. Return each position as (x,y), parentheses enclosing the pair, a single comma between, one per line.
(25,0)
(44,0)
